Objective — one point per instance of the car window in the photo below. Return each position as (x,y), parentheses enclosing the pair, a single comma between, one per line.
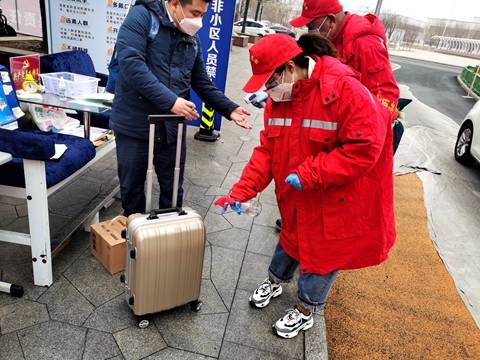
(257,25)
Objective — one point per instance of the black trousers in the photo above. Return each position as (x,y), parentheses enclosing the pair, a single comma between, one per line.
(132,159)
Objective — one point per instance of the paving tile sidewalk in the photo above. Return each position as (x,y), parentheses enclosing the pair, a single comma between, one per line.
(84,314)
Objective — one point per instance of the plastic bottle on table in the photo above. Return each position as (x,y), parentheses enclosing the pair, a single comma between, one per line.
(62,89)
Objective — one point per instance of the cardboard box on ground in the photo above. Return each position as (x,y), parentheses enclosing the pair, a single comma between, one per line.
(107,244)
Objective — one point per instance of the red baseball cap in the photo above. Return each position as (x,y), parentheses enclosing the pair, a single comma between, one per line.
(268,54)
(314,9)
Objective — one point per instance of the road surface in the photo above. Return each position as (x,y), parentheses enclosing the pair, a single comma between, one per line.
(435,85)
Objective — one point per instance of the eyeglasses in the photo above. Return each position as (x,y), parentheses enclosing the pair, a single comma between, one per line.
(275,80)
(272,82)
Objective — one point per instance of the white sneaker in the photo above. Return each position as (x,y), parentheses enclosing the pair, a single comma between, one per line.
(264,293)
(296,319)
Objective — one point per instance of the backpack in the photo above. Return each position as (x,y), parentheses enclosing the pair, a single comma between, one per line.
(114,66)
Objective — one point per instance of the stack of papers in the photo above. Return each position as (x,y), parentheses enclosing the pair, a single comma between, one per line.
(96,99)
(22,94)
(95,133)
(100,97)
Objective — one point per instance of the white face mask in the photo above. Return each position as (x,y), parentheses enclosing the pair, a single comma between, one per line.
(190,26)
(283,91)
(317,30)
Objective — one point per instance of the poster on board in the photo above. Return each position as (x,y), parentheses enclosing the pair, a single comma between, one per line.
(93,25)
(88,25)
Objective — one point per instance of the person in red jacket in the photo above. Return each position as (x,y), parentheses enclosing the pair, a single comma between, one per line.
(327,144)
(360,42)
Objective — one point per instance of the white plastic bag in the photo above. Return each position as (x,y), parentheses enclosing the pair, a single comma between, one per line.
(53,119)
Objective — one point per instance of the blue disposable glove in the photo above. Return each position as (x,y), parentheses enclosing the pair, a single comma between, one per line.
(294,181)
(237,207)
(225,201)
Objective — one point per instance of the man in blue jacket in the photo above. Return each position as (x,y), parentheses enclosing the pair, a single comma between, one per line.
(155,77)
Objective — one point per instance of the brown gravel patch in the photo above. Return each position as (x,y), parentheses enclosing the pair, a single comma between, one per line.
(406,308)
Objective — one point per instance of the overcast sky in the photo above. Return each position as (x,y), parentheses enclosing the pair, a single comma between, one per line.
(422,9)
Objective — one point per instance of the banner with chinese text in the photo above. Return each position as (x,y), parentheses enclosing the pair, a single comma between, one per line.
(216,39)
(92,26)
(88,25)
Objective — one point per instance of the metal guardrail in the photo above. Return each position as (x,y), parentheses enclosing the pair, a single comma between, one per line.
(460,46)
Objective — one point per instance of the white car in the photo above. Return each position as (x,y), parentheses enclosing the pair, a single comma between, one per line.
(253,27)
(467,147)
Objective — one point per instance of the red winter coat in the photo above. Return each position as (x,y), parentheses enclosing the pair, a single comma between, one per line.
(362,45)
(338,139)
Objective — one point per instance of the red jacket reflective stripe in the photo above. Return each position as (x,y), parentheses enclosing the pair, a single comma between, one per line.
(361,44)
(338,139)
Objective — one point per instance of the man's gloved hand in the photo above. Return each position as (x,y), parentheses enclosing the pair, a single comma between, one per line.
(294,181)
(225,201)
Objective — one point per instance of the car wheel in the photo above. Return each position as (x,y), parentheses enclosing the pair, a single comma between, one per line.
(463,144)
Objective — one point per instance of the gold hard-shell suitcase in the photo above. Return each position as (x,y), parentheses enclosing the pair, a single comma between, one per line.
(165,248)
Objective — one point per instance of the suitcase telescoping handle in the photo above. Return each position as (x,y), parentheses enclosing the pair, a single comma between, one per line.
(154,120)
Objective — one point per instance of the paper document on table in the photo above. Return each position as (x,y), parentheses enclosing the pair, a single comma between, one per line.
(22,94)
(102,106)
(96,99)
(100,97)
(59,151)
(95,133)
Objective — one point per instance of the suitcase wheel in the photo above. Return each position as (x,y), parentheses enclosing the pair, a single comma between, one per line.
(143,324)
(196,305)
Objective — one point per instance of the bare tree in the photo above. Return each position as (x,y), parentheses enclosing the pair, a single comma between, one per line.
(278,12)
(391,21)
(409,37)
(412,34)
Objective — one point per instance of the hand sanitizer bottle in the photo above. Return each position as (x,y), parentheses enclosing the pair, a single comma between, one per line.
(251,208)
(62,89)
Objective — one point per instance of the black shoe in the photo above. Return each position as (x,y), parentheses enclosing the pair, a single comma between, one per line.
(278,225)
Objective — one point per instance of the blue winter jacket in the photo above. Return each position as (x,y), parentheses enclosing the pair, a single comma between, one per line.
(154,73)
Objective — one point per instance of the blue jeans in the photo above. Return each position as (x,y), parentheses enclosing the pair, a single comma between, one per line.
(313,289)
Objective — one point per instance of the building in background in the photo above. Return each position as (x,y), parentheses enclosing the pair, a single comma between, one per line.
(452,28)
(23,15)
(404,31)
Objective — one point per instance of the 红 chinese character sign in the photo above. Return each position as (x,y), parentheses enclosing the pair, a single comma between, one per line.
(88,25)
(216,39)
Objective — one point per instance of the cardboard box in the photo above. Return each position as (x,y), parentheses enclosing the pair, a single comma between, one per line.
(107,244)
